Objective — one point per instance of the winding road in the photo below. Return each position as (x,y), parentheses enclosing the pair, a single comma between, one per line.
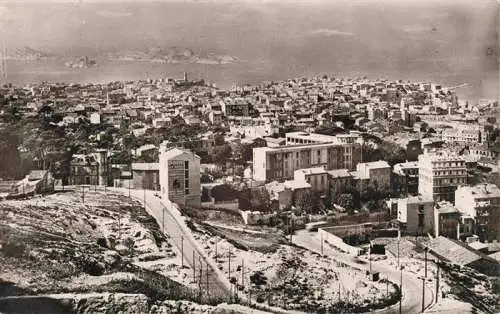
(412,286)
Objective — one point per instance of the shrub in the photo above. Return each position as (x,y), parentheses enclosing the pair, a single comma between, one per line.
(14,248)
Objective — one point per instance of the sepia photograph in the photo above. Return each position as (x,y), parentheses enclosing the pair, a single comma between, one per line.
(249,156)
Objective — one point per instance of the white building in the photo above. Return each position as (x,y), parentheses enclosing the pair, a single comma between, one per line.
(376,174)
(180,176)
(469,198)
(95,118)
(440,174)
(316,177)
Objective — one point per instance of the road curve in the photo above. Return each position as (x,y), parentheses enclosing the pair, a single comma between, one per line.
(412,286)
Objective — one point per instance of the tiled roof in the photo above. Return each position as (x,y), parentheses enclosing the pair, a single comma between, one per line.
(452,251)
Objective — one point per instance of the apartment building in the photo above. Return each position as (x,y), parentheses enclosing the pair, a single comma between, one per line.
(280,163)
(297,138)
(238,107)
(375,174)
(340,181)
(180,176)
(405,178)
(469,136)
(482,203)
(439,175)
(316,177)
(416,213)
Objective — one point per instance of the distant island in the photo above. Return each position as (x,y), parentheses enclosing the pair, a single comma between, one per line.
(83,62)
(172,55)
(28,54)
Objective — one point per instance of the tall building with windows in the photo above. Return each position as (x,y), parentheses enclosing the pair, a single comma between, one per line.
(439,175)
(280,163)
(180,176)
(482,203)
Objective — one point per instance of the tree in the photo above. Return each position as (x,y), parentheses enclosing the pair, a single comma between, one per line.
(307,201)
(261,200)
(222,155)
(346,201)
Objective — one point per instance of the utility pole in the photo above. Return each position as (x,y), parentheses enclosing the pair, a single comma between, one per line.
(129,188)
(425,253)
(182,251)
(401,290)
(83,194)
(269,296)
(162,218)
(423,294)
(207,278)
(321,243)
(201,272)
(229,263)
(437,281)
(194,267)
(387,288)
(242,272)
(370,257)
(144,197)
(398,251)
(339,292)
(119,227)
(216,252)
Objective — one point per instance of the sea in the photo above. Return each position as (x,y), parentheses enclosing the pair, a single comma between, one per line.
(445,42)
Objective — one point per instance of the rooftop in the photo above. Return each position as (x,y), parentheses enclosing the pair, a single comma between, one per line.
(143,166)
(315,170)
(417,199)
(297,184)
(406,165)
(453,251)
(375,164)
(339,173)
(445,207)
(37,174)
(481,190)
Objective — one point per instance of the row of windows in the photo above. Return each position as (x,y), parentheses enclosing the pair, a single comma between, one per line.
(450,173)
(438,182)
(448,164)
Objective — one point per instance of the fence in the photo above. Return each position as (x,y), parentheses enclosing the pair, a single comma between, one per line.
(339,243)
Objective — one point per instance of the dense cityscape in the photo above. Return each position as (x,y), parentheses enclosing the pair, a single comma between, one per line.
(322,194)
(249,157)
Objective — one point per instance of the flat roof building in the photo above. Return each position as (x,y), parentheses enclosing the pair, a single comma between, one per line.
(280,163)
(180,176)
(482,203)
(440,174)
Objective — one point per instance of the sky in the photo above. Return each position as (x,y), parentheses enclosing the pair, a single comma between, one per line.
(437,39)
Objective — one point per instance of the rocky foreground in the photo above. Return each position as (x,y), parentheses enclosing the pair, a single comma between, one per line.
(89,252)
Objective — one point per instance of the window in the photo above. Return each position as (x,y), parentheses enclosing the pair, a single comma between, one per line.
(186,164)
(421,216)
(176,184)
(186,191)
(186,174)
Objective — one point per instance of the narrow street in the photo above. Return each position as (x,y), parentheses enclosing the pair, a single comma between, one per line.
(412,286)
(210,284)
